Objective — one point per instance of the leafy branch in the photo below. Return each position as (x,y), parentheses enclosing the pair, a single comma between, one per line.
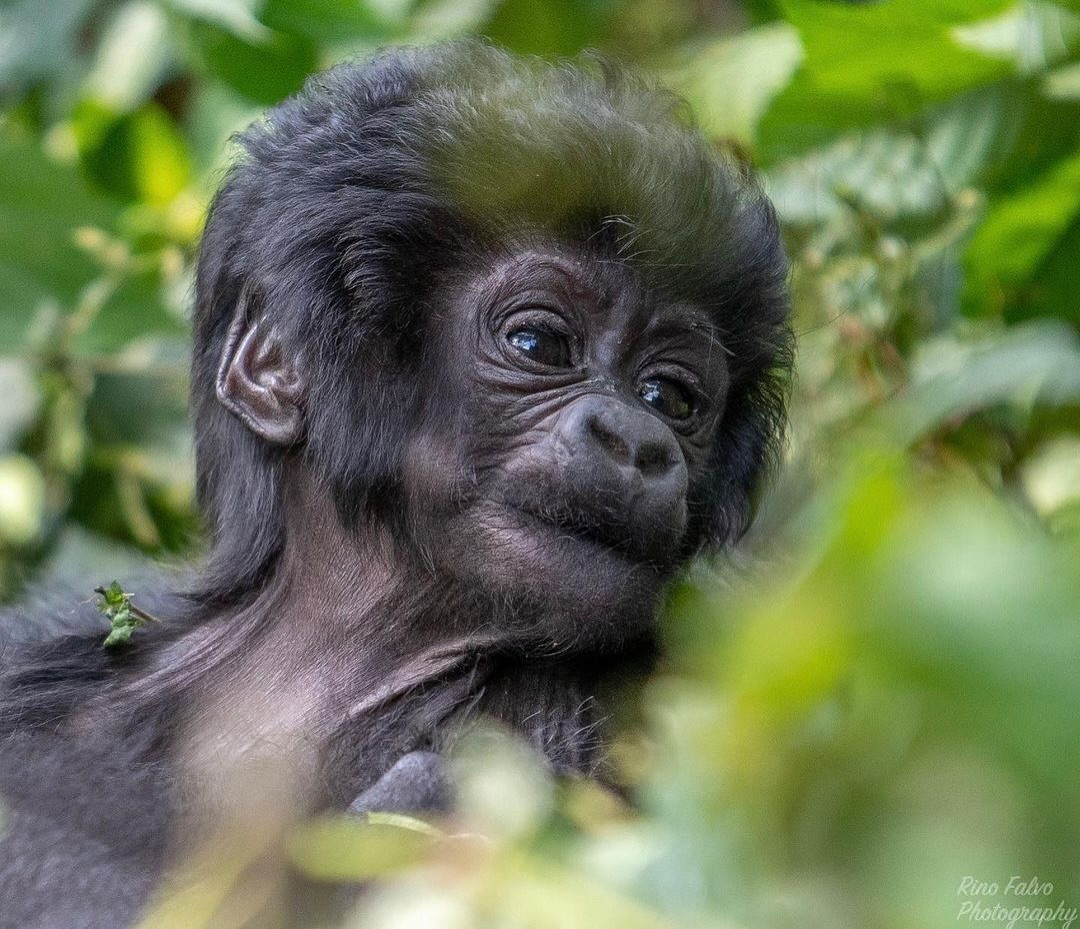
(123,615)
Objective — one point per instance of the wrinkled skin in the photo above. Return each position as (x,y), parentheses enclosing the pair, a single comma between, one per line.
(545,460)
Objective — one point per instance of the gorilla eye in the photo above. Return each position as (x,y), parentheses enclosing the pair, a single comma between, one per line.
(667,397)
(541,346)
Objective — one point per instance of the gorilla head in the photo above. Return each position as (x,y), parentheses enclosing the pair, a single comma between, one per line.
(519,320)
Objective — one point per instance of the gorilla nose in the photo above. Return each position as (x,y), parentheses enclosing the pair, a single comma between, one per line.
(622,476)
(610,432)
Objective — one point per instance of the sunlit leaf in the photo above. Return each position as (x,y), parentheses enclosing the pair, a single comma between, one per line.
(888,174)
(22,500)
(21,400)
(141,155)
(132,58)
(237,16)
(448,18)
(966,135)
(729,83)
(1034,35)
(1052,476)
(1064,83)
(134,310)
(351,849)
(949,378)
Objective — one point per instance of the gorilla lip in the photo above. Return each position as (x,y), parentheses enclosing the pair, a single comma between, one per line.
(575,526)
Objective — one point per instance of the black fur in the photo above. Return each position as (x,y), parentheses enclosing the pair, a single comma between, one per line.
(353,211)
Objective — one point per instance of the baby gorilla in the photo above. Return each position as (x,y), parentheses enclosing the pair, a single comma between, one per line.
(485,351)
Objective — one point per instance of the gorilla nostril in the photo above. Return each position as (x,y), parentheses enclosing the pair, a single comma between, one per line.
(631,442)
(609,439)
(654,459)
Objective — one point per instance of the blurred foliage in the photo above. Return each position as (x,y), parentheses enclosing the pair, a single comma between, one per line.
(888,701)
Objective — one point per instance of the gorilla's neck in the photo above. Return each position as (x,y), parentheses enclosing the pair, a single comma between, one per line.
(356,652)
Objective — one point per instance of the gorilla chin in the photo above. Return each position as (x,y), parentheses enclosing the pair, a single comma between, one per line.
(605,594)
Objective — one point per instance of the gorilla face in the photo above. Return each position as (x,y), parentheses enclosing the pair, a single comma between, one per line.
(576,410)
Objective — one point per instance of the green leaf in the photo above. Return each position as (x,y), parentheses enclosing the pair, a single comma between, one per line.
(859,50)
(113,596)
(347,849)
(1040,133)
(1019,233)
(1032,35)
(547,27)
(1036,362)
(1051,289)
(133,56)
(38,40)
(730,83)
(966,135)
(22,400)
(264,71)
(887,174)
(441,19)
(236,16)
(120,634)
(22,500)
(872,62)
(139,156)
(79,554)
(1064,83)
(42,204)
(135,311)
(328,21)
(124,617)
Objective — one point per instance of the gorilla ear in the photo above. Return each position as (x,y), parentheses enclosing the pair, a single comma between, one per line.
(258,380)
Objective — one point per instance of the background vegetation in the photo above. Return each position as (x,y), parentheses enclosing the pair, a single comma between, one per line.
(889,702)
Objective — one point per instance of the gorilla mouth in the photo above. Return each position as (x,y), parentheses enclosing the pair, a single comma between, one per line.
(584,528)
